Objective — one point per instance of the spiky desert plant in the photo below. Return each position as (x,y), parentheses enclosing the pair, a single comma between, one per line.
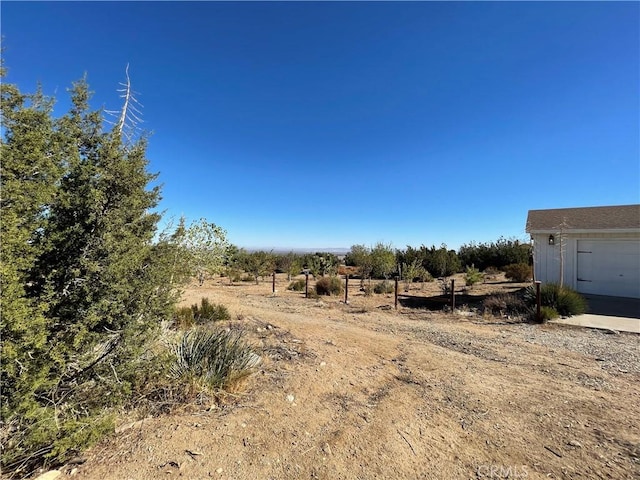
(214,359)
(564,300)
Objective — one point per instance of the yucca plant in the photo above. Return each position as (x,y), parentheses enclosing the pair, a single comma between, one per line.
(564,300)
(216,359)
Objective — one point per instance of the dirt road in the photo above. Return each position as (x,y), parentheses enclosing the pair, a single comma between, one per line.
(360,391)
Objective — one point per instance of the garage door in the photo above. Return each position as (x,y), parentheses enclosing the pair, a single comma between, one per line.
(608,267)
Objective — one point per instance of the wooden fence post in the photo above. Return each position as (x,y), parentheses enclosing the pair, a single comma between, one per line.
(396,293)
(346,289)
(453,295)
(273,288)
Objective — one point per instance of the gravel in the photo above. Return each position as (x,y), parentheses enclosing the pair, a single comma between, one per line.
(616,353)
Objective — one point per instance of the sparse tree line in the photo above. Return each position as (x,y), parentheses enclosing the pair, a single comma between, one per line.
(380,261)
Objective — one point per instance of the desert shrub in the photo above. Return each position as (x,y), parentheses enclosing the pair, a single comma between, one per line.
(297,285)
(183,317)
(491,271)
(247,278)
(424,275)
(329,286)
(186,317)
(472,276)
(410,271)
(518,272)
(212,359)
(210,312)
(445,285)
(505,304)
(384,287)
(234,274)
(368,290)
(570,302)
(564,300)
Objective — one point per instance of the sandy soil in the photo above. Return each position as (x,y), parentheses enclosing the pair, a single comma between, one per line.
(361,391)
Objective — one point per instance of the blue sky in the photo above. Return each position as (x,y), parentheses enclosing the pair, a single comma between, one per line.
(317,125)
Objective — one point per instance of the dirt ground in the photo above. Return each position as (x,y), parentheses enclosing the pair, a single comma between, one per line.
(362,391)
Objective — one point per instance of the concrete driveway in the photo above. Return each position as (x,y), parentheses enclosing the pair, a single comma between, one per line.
(610,313)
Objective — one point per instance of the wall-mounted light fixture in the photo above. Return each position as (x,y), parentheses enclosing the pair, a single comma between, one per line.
(552,240)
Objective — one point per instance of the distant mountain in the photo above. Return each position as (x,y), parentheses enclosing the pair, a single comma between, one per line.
(280,250)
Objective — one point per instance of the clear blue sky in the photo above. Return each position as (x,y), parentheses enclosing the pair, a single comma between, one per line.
(328,124)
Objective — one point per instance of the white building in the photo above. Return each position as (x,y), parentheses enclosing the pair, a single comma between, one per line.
(595,250)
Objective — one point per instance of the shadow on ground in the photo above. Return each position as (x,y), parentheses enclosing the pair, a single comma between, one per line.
(439,302)
(613,306)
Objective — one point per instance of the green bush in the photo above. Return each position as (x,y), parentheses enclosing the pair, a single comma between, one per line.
(384,287)
(472,276)
(329,286)
(297,285)
(186,317)
(213,360)
(518,272)
(424,275)
(564,300)
(210,312)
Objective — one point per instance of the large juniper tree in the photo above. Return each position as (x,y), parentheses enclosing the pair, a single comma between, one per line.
(83,285)
(30,171)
